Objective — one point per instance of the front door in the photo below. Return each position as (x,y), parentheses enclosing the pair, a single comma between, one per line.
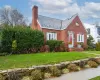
(71,39)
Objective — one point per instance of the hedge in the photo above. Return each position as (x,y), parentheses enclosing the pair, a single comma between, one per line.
(98,46)
(54,44)
(20,39)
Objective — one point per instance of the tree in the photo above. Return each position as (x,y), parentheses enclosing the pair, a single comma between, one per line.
(12,17)
(90,42)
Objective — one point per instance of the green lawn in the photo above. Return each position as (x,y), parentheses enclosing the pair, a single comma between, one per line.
(97,52)
(96,78)
(27,60)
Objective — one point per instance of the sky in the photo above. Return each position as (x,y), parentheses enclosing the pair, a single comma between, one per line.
(88,10)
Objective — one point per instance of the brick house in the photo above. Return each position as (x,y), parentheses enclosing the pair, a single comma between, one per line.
(71,31)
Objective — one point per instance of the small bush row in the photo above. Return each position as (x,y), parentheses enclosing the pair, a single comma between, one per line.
(55,45)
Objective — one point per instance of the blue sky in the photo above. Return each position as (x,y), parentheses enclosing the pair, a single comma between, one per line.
(88,10)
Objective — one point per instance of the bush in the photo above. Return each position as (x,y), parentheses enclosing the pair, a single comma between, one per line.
(1,77)
(73,67)
(36,75)
(64,71)
(90,43)
(98,46)
(55,71)
(21,39)
(44,48)
(97,60)
(26,78)
(54,45)
(47,75)
(92,64)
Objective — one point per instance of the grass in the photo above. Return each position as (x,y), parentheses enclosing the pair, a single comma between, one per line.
(95,52)
(27,60)
(96,78)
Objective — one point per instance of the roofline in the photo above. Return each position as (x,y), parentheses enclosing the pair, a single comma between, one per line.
(61,21)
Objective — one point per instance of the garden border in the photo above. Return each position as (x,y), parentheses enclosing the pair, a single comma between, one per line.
(27,71)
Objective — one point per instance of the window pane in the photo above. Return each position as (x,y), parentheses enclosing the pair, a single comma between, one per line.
(51,36)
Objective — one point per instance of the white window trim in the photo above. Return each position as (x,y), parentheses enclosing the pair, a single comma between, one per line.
(52,35)
(80,37)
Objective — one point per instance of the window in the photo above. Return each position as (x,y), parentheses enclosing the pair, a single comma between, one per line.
(77,24)
(80,38)
(51,36)
(98,30)
(88,31)
(98,40)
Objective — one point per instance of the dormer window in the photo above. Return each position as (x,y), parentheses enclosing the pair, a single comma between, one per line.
(77,24)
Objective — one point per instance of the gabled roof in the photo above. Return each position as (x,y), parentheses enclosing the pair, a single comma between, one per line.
(56,24)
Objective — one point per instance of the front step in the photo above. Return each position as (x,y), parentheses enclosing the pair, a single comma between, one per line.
(75,49)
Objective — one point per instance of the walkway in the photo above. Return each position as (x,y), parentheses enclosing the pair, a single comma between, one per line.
(81,75)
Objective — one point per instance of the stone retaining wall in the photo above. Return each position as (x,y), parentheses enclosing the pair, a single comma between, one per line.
(27,71)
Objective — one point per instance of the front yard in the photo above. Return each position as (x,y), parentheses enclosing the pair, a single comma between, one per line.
(27,60)
(93,52)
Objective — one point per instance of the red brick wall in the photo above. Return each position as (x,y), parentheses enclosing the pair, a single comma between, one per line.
(63,34)
(76,30)
(51,30)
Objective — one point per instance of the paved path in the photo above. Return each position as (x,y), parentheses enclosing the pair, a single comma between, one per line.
(81,75)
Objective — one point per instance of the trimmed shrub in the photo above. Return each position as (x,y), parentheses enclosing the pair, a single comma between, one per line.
(64,71)
(97,60)
(87,66)
(36,75)
(44,48)
(21,39)
(54,45)
(1,77)
(98,46)
(55,71)
(47,75)
(73,67)
(26,78)
(92,64)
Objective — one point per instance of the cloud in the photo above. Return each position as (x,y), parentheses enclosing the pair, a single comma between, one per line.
(70,7)
(8,7)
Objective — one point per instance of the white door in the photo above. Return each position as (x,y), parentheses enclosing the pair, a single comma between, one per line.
(71,40)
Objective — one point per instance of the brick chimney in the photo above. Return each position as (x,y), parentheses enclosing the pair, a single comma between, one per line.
(34,17)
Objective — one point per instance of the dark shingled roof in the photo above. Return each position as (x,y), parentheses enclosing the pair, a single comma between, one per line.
(56,24)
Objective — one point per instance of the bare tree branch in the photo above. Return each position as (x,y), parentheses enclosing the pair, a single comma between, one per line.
(11,17)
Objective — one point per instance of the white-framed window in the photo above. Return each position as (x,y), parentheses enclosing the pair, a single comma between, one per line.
(80,37)
(98,40)
(88,31)
(77,24)
(51,36)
